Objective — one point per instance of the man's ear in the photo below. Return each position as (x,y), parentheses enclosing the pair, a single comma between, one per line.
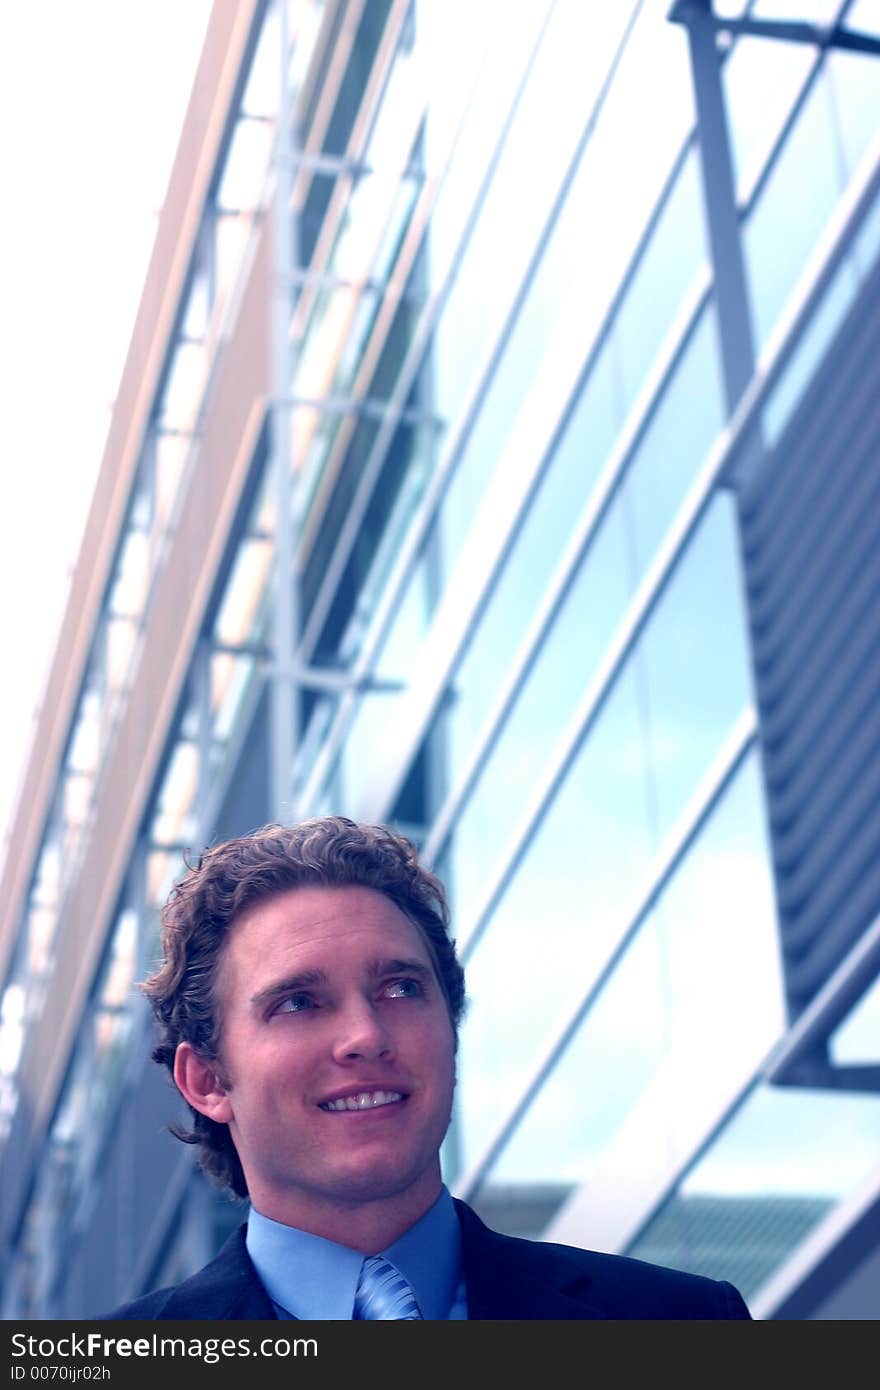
(199,1083)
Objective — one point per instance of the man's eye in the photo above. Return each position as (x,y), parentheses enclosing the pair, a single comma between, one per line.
(294,1004)
(404,989)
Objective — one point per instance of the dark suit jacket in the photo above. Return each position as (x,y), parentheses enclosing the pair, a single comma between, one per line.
(506,1278)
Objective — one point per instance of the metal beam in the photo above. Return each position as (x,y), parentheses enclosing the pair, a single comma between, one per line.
(285,618)
(337,682)
(783,30)
(818,1076)
(365,406)
(719,194)
(261,651)
(201,679)
(840,993)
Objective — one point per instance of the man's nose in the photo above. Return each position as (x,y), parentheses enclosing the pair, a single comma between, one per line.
(361,1033)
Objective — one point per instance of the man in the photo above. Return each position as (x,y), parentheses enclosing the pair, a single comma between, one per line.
(308,1005)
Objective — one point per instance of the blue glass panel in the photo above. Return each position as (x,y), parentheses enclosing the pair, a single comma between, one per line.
(558,917)
(605,1069)
(856,1040)
(568,658)
(867,240)
(376,708)
(552,515)
(479,82)
(810,350)
(555,102)
(807,176)
(676,248)
(567,300)
(675,443)
(761,79)
(694,664)
(855,83)
(675,998)
(665,463)
(783,1161)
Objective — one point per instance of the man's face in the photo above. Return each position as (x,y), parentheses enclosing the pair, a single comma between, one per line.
(338,1051)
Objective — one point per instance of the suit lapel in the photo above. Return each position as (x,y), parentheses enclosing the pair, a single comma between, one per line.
(228,1287)
(510,1279)
(507,1280)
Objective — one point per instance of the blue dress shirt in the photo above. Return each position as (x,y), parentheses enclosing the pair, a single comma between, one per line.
(312,1278)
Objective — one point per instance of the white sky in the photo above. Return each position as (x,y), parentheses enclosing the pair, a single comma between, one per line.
(92,99)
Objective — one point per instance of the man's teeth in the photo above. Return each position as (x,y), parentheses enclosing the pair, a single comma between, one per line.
(364,1100)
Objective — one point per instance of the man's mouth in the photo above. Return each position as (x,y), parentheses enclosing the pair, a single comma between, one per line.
(362,1100)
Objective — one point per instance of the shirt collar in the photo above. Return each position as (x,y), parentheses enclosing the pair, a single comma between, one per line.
(315,1279)
(428,1255)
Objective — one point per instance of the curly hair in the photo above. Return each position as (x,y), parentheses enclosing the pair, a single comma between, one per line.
(230,877)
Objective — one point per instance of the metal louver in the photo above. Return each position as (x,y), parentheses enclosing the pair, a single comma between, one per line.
(810,524)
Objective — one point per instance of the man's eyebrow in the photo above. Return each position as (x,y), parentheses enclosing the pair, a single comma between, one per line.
(291,984)
(378,969)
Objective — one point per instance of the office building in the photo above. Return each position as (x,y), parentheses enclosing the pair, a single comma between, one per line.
(495,456)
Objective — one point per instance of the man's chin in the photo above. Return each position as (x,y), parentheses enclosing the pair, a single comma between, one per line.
(358,1186)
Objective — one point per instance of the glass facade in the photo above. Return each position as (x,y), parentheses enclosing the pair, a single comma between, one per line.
(511,496)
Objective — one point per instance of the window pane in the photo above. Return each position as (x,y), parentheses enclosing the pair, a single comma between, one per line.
(855,85)
(676,999)
(664,465)
(560,499)
(675,443)
(856,1041)
(568,658)
(664,723)
(761,80)
(558,917)
(675,251)
(807,177)
(566,302)
(694,664)
(789,1154)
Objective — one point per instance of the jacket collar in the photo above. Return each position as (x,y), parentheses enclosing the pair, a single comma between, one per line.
(506,1279)
(228,1287)
(514,1279)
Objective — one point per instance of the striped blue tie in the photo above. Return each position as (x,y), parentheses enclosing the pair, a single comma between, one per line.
(383,1293)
